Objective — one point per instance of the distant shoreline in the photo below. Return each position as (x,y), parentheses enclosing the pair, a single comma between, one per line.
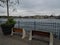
(34,17)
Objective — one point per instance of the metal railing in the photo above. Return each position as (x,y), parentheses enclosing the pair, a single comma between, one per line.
(39,26)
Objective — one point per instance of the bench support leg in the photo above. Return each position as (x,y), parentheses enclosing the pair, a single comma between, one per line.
(51,39)
(12,32)
(30,35)
(24,34)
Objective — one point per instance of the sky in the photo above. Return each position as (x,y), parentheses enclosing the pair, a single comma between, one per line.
(32,7)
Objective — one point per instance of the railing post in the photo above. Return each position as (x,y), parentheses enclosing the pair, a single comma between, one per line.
(18,24)
(34,25)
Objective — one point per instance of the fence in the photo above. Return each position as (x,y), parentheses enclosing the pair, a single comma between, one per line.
(39,26)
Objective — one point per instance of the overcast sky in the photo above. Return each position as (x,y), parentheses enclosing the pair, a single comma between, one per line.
(33,7)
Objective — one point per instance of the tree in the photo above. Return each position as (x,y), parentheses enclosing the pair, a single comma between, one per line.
(51,15)
(7,3)
(7,8)
(3,1)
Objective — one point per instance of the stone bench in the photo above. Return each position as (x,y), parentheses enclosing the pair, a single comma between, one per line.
(41,33)
(20,30)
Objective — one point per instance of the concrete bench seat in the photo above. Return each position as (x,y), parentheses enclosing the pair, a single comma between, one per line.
(33,32)
(41,33)
(20,30)
(17,30)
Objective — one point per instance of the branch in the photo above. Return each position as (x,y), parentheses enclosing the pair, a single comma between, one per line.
(4,1)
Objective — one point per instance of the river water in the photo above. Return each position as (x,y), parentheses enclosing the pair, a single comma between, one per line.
(47,25)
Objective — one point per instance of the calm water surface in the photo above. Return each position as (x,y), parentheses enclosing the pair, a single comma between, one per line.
(49,25)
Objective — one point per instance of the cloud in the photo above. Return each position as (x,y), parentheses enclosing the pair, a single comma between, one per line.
(40,4)
(36,7)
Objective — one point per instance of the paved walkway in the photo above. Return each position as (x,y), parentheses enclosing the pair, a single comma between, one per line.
(16,40)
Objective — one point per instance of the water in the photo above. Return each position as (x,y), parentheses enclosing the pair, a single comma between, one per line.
(47,25)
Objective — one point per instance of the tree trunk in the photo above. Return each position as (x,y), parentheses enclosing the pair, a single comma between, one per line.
(7,8)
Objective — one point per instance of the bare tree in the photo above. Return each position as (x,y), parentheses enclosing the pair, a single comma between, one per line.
(7,8)
(7,4)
